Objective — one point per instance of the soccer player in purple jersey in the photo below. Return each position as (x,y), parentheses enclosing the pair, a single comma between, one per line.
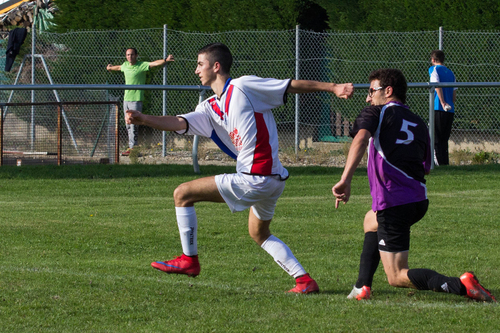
(239,119)
(399,157)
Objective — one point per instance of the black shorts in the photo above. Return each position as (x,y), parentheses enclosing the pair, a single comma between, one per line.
(394,225)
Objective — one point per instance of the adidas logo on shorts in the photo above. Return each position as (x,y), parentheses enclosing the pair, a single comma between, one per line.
(381,242)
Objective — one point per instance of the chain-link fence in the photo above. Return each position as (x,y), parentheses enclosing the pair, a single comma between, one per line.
(58,133)
(311,121)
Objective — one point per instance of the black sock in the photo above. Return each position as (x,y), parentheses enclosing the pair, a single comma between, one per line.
(370,257)
(426,279)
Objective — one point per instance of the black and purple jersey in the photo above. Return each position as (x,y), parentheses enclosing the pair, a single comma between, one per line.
(399,154)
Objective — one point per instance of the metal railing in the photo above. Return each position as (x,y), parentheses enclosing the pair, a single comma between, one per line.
(203,89)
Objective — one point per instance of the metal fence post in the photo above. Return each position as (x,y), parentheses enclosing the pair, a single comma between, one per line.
(297,100)
(117,133)
(196,140)
(59,134)
(33,41)
(164,134)
(431,123)
(441,38)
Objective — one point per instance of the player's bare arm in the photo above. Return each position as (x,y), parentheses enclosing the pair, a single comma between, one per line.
(162,123)
(161,61)
(113,68)
(344,90)
(342,190)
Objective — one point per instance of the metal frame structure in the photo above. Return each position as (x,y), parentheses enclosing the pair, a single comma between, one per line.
(201,89)
(45,67)
(60,117)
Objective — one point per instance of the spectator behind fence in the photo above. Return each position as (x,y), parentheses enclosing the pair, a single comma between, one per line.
(444,106)
(135,73)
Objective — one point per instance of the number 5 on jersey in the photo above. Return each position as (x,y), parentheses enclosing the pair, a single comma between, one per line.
(404,128)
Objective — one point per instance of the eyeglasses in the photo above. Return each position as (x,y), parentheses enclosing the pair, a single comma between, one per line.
(372,90)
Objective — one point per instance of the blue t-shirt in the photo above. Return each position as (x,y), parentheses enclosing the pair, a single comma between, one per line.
(440,73)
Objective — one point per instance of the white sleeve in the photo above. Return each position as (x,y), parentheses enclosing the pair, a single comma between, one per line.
(434,75)
(198,121)
(264,94)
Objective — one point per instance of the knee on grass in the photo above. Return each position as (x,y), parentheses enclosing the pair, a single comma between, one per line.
(399,281)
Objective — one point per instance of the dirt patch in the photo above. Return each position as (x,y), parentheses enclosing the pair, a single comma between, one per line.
(216,157)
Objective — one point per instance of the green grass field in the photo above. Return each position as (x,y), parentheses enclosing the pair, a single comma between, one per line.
(77,243)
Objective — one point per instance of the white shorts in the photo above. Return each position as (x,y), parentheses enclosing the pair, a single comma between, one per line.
(242,191)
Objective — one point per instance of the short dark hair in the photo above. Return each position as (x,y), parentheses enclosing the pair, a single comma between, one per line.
(438,55)
(131,48)
(390,77)
(218,52)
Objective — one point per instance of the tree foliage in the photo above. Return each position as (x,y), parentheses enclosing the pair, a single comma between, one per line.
(187,15)
(412,15)
(224,15)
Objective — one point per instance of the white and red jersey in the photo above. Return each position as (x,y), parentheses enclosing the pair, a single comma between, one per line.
(241,123)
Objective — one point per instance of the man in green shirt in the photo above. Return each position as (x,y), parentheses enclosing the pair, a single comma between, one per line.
(135,73)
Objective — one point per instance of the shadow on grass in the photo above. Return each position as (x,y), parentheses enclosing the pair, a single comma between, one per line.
(102,171)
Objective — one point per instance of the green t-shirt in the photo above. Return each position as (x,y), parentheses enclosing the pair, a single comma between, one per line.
(135,74)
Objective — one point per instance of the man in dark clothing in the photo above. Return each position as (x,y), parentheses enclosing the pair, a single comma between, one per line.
(16,39)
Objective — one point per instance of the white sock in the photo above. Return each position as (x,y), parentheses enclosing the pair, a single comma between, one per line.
(188,229)
(283,256)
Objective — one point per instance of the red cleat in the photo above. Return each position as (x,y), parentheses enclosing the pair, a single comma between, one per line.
(305,285)
(475,290)
(180,265)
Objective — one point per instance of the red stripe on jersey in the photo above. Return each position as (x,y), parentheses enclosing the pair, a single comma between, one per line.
(228,98)
(215,107)
(262,157)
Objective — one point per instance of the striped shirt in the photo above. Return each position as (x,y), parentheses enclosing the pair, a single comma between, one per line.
(241,123)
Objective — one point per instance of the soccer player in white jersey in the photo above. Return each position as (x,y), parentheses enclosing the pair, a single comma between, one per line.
(239,119)
(399,157)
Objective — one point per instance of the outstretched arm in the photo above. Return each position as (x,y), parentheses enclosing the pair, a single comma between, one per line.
(161,61)
(113,68)
(163,123)
(344,90)
(342,190)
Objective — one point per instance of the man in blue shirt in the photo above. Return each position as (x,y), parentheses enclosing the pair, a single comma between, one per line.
(444,106)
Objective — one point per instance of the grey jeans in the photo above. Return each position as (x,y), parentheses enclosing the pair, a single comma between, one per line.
(132,130)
